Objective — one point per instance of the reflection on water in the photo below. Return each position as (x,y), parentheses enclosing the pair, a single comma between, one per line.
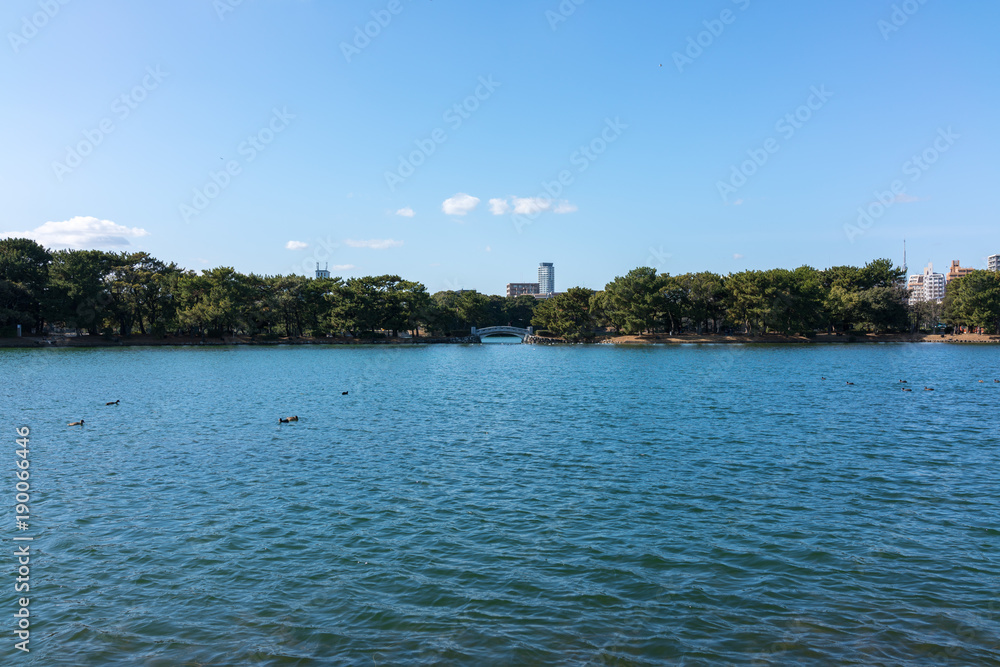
(501,339)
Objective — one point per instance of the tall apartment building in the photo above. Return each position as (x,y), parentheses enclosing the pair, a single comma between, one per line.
(993,262)
(928,286)
(957,271)
(546,278)
(517,289)
(322,273)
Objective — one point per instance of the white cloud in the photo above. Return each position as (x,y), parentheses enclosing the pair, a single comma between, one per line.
(531,205)
(460,204)
(374,244)
(296,245)
(343,267)
(81,232)
(406,212)
(737,255)
(499,206)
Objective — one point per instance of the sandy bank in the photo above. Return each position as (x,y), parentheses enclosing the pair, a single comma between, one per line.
(819,338)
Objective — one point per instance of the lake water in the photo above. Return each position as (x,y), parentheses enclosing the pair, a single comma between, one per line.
(509,504)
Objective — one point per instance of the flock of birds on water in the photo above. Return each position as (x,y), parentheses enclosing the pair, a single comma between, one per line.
(908,389)
(281,420)
(295,418)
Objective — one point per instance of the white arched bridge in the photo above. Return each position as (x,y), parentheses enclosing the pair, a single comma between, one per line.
(502,331)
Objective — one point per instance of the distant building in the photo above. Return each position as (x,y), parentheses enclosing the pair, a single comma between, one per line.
(957,271)
(546,278)
(517,289)
(322,273)
(993,262)
(928,286)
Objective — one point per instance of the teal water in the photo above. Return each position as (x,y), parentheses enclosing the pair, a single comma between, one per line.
(509,504)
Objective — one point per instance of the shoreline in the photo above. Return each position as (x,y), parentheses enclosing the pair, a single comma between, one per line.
(666,339)
(649,339)
(198,341)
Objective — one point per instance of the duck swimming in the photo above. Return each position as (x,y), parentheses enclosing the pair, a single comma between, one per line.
(285,420)
(114,402)
(79,423)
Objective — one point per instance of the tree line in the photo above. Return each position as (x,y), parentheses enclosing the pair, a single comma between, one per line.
(100,292)
(872,298)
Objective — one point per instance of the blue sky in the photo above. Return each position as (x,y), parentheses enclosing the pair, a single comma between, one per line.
(719,135)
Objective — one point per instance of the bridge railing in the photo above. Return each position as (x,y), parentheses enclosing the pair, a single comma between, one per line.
(486,331)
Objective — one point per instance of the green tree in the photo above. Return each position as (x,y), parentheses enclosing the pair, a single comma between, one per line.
(567,315)
(747,299)
(518,310)
(24,276)
(632,303)
(473,309)
(78,293)
(706,297)
(974,300)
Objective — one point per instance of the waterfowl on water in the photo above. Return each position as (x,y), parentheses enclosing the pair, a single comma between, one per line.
(113,402)
(79,423)
(850,383)
(343,393)
(903,381)
(928,388)
(285,420)
(905,389)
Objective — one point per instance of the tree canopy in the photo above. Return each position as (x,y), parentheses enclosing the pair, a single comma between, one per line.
(127,293)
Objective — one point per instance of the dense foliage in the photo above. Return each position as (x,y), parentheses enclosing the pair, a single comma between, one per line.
(133,293)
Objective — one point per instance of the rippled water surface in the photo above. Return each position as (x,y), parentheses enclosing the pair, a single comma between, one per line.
(509,504)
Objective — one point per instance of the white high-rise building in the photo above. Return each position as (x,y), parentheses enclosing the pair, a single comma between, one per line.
(993,262)
(546,278)
(928,286)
